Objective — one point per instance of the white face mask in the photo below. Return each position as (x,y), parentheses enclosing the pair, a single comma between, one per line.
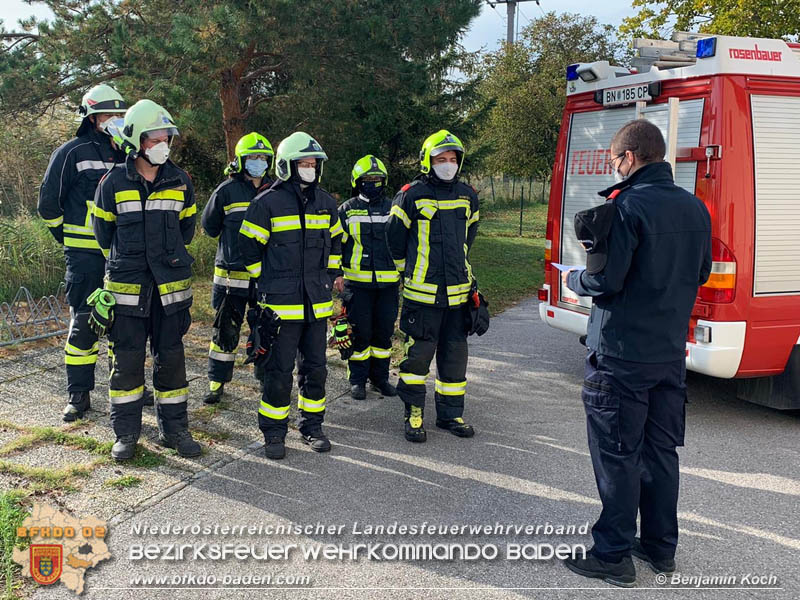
(158,154)
(307,174)
(619,177)
(446,171)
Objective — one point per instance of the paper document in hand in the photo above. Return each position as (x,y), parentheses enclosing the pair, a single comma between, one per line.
(561,267)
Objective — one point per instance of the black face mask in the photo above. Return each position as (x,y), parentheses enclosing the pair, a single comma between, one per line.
(372,189)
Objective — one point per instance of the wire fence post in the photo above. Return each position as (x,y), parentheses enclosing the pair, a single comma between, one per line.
(521,207)
(491,181)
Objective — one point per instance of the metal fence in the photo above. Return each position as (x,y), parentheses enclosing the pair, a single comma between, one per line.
(25,319)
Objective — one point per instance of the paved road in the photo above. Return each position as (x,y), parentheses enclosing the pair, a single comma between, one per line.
(527,465)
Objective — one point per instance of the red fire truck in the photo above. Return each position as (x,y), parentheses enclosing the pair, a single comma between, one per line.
(729,108)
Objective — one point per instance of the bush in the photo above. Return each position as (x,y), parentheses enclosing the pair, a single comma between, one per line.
(203,249)
(30,257)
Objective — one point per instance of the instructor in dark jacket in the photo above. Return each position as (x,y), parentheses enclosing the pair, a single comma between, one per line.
(648,251)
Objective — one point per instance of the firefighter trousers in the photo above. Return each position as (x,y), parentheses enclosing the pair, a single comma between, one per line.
(635,417)
(220,363)
(441,331)
(372,312)
(126,349)
(84,275)
(305,342)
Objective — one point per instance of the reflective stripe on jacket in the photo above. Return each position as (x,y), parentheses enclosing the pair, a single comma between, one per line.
(67,192)
(366,260)
(294,246)
(223,216)
(143,229)
(430,231)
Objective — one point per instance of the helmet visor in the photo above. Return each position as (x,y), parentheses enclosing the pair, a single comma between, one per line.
(444,148)
(160,133)
(113,126)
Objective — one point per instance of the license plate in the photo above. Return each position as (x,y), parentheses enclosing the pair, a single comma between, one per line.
(627,95)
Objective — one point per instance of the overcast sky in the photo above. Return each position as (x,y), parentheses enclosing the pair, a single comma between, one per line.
(485,32)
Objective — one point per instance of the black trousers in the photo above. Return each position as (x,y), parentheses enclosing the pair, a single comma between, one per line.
(127,343)
(220,363)
(305,342)
(373,312)
(635,416)
(84,275)
(440,331)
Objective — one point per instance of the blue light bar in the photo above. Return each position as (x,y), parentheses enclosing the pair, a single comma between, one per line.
(706,47)
(572,72)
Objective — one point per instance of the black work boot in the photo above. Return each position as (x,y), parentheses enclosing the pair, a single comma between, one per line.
(125,446)
(77,406)
(385,388)
(414,430)
(181,441)
(318,441)
(665,565)
(147,397)
(456,427)
(358,391)
(274,447)
(622,573)
(214,396)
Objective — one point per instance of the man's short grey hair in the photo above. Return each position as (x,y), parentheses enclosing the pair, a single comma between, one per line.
(643,139)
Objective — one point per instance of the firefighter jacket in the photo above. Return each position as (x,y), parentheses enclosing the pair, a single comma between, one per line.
(143,229)
(431,228)
(67,191)
(366,260)
(223,216)
(659,253)
(291,241)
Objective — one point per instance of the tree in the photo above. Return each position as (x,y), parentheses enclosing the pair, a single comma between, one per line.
(525,88)
(754,18)
(341,69)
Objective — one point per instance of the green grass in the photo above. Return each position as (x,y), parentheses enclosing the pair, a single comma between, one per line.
(12,514)
(509,267)
(50,478)
(35,436)
(145,458)
(124,482)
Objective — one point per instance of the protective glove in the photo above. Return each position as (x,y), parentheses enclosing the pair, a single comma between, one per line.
(341,336)
(102,316)
(227,322)
(266,327)
(477,312)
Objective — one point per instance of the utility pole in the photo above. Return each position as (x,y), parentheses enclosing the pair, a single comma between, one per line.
(511,11)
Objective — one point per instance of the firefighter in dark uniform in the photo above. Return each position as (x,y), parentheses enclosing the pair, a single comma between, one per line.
(223,216)
(144,217)
(291,241)
(433,223)
(649,249)
(369,287)
(65,200)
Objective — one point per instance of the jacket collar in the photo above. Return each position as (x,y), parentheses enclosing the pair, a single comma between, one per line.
(167,171)
(658,172)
